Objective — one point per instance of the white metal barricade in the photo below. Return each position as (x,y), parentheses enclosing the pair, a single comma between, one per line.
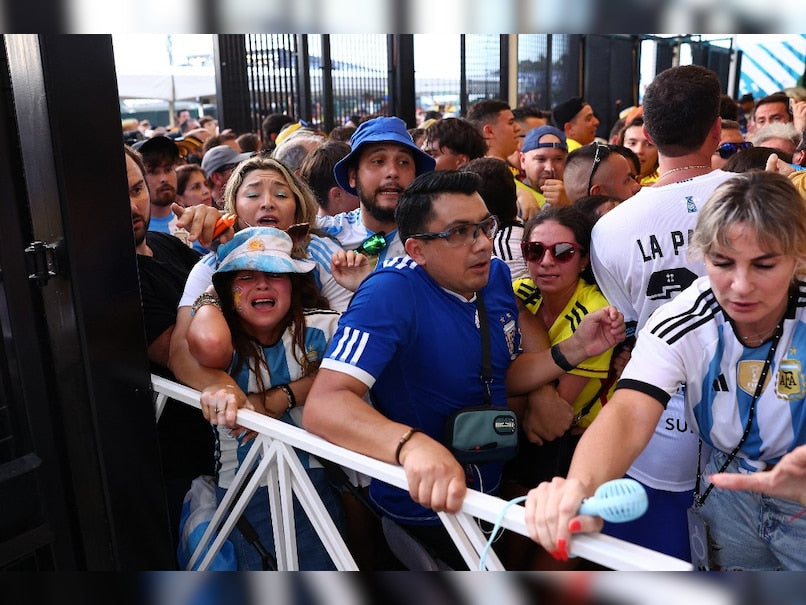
(276,441)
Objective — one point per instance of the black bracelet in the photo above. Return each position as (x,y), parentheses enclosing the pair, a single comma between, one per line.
(560,359)
(289,394)
(403,440)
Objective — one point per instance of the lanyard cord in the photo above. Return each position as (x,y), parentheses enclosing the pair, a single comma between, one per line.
(700,500)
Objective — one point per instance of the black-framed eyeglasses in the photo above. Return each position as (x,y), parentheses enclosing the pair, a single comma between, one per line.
(726,150)
(373,245)
(464,234)
(602,152)
(562,251)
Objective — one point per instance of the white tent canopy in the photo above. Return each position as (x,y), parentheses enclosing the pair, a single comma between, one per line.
(174,84)
(171,67)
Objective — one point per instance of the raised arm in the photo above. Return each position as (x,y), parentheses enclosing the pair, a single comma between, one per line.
(597,332)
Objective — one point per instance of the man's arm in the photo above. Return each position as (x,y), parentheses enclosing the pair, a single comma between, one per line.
(159,348)
(336,412)
(597,332)
(546,415)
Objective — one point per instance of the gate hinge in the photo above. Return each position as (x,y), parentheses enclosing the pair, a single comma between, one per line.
(41,261)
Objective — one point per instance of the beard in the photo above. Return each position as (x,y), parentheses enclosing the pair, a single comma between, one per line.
(140,234)
(164,198)
(384,215)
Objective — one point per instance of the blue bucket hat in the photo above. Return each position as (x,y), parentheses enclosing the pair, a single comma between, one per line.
(379,130)
(264,249)
(532,139)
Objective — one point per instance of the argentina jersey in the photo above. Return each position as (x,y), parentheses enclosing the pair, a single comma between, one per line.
(691,341)
(351,232)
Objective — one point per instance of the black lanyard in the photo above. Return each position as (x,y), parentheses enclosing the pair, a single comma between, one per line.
(700,500)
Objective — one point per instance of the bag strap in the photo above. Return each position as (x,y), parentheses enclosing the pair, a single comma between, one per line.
(486,358)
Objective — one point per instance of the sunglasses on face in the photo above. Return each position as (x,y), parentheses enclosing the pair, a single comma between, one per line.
(373,245)
(562,251)
(726,150)
(602,152)
(464,234)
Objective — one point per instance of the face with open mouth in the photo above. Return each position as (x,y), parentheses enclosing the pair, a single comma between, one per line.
(262,300)
(265,199)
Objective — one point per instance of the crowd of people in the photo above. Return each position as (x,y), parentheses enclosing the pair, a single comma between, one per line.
(636,303)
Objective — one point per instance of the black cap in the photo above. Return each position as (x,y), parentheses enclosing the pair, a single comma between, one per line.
(158,146)
(565,111)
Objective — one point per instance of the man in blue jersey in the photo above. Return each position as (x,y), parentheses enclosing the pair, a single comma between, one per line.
(412,337)
(383,161)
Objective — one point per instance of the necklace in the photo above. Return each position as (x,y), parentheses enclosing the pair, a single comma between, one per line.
(757,339)
(681,168)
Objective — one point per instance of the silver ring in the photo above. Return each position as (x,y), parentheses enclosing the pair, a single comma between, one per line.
(217,411)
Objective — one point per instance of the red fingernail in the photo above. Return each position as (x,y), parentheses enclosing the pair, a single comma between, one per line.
(561,550)
(574,526)
(556,555)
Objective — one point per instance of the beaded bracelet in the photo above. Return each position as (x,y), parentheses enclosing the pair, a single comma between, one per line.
(204,299)
(403,440)
(289,394)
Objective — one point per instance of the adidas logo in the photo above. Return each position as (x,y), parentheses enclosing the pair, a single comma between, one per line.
(720,384)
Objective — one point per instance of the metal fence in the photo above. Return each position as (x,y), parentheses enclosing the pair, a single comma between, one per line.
(327,78)
(273,456)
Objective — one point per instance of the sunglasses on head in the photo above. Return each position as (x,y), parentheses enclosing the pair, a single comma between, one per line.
(562,251)
(726,150)
(373,245)
(602,152)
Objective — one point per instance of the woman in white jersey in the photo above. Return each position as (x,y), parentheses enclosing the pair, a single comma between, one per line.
(736,340)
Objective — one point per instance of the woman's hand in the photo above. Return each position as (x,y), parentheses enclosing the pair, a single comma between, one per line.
(552,515)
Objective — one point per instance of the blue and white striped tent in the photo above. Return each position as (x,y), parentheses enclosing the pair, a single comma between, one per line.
(771,63)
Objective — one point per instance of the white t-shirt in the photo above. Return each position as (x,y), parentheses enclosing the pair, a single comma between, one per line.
(639,257)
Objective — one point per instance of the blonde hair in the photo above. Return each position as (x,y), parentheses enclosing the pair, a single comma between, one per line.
(766,202)
(307,207)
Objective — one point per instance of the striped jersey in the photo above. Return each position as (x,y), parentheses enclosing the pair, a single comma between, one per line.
(507,247)
(585,299)
(639,257)
(691,343)
(283,368)
(349,229)
(417,347)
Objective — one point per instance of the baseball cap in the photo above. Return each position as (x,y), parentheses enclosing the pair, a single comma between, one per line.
(565,111)
(532,139)
(219,156)
(159,145)
(380,130)
(266,249)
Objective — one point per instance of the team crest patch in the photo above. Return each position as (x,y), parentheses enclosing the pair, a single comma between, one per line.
(510,331)
(789,381)
(747,376)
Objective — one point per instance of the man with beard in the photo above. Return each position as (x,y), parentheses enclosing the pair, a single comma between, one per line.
(163,264)
(382,162)
(160,156)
